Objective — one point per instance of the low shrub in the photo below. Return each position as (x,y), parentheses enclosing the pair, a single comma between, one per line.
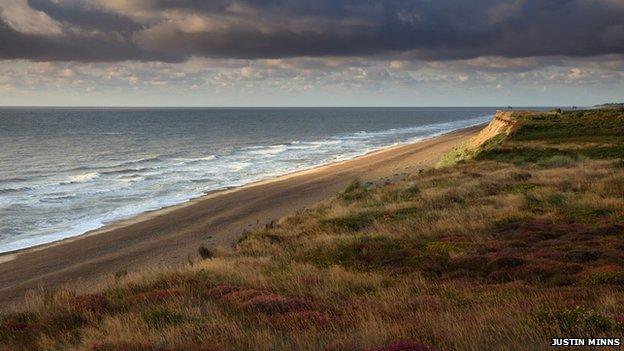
(156,296)
(583,214)
(352,222)
(275,304)
(368,253)
(582,255)
(520,176)
(575,320)
(96,303)
(301,319)
(354,192)
(556,200)
(205,253)
(410,192)
(163,316)
(610,274)
(556,161)
(619,163)
(611,187)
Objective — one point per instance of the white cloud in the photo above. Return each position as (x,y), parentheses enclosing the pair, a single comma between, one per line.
(22,18)
(66,73)
(315,81)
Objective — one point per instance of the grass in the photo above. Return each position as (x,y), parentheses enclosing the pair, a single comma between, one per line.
(560,139)
(520,244)
(459,153)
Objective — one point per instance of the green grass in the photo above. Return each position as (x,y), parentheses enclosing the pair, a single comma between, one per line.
(551,139)
(458,154)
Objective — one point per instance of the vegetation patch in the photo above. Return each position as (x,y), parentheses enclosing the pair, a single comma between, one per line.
(354,192)
(458,154)
(522,240)
(578,320)
(351,222)
(162,316)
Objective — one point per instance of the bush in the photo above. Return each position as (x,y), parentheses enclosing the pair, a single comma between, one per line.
(618,163)
(205,253)
(410,191)
(561,279)
(581,256)
(368,253)
(276,304)
(556,200)
(584,215)
(521,176)
(612,187)
(506,262)
(354,222)
(355,191)
(162,317)
(603,278)
(556,161)
(579,319)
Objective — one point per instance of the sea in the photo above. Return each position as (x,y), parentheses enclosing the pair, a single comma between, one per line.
(66,171)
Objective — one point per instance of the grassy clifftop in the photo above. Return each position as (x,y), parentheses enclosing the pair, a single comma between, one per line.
(504,124)
(521,242)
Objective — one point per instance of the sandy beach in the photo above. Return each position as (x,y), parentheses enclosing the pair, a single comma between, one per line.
(171,236)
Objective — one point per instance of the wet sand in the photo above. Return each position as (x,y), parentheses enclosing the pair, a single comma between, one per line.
(171,236)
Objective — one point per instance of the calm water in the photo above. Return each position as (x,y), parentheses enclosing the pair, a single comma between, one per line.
(66,171)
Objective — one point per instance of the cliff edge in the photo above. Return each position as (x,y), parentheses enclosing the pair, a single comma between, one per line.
(502,125)
(504,122)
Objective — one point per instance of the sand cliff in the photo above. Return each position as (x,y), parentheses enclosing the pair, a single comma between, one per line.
(503,122)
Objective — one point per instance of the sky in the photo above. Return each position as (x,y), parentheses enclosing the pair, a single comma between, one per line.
(311,52)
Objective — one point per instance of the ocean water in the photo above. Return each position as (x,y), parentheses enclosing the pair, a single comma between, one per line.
(64,172)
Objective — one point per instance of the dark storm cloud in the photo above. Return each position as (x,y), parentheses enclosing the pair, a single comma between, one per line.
(168,30)
(97,48)
(79,13)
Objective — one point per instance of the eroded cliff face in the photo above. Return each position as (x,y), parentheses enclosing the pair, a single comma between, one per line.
(502,125)
(503,122)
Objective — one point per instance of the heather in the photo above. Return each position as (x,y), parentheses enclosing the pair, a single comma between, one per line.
(520,242)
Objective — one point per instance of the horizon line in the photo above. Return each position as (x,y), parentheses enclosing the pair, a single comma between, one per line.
(284,106)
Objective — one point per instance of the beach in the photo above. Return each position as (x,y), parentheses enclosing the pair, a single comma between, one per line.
(172,236)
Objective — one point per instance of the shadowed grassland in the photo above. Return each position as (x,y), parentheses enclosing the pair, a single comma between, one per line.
(519,244)
(563,138)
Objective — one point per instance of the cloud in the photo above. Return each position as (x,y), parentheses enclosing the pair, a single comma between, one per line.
(315,81)
(71,46)
(85,15)
(23,19)
(399,30)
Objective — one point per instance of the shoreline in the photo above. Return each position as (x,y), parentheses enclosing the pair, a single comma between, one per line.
(171,236)
(146,215)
